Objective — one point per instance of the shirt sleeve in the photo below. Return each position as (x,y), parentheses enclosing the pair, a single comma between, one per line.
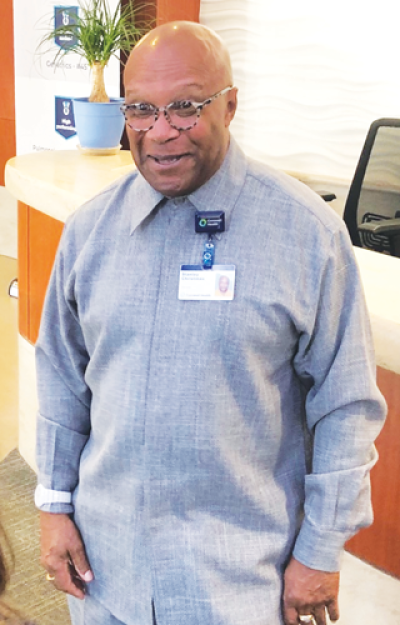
(63,423)
(345,411)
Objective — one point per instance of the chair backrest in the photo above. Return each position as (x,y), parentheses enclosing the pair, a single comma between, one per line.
(374,193)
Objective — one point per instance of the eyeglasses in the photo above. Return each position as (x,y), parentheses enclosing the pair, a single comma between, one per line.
(181,115)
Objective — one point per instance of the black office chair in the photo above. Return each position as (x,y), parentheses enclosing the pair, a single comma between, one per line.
(372,210)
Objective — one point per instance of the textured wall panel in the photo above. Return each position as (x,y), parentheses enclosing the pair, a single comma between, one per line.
(312,76)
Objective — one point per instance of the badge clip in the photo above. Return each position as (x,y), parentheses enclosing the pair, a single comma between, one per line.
(209,222)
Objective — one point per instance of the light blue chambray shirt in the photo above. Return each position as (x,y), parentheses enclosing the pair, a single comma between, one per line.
(205,441)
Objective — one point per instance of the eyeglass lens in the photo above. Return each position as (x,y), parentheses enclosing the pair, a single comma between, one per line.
(181,115)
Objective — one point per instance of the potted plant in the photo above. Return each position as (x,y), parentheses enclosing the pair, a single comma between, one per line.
(96,33)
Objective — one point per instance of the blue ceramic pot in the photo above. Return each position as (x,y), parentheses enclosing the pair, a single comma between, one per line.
(98,124)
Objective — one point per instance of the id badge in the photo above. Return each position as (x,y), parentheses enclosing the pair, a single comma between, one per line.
(216,283)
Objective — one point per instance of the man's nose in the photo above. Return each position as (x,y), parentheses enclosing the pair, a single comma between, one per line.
(162,129)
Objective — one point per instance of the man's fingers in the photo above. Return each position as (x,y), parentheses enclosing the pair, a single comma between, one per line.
(333,610)
(86,576)
(320,615)
(65,581)
(290,616)
(80,562)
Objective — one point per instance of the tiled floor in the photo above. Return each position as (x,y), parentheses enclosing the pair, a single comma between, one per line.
(367,596)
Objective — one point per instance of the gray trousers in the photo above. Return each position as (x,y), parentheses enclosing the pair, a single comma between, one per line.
(91,612)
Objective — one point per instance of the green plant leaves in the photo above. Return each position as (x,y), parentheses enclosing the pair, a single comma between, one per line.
(98,32)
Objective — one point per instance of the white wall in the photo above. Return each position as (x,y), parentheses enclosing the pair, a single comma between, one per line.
(312,76)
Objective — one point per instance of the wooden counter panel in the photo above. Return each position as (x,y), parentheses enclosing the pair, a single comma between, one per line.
(7,144)
(380,543)
(7,100)
(168,11)
(39,236)
(23,268)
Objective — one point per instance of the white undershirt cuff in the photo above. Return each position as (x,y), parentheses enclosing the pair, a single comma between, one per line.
(45,496)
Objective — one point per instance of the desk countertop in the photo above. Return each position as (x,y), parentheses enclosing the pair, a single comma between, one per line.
(57,182)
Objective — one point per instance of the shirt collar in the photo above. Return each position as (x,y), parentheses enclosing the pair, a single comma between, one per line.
(219,193)
(144,200)
(222,190)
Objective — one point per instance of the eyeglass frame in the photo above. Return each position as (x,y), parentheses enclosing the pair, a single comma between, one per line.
(164,109)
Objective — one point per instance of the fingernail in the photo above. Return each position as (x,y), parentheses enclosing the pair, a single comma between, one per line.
(87,577)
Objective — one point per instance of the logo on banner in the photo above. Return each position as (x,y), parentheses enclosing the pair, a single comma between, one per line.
(65,120)
(65,16)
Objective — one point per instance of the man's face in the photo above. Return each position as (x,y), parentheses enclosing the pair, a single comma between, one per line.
(177,162)
(223,284)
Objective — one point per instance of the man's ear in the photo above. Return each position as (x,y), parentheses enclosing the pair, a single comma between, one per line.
(231,105)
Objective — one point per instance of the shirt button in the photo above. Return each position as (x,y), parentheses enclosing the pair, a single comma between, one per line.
(178,201)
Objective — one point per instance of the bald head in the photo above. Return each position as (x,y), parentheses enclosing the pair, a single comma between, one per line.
(195,42)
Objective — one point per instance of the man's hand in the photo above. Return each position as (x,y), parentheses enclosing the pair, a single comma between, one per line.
(307,591)
(63,554)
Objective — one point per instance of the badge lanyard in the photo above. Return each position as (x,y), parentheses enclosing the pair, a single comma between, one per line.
(218,282)
(208,253)
(211,223)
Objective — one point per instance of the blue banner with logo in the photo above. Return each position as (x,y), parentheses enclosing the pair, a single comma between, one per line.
(65,16)
(64,116)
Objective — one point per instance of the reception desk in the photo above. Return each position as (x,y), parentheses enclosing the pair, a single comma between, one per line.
(49,186)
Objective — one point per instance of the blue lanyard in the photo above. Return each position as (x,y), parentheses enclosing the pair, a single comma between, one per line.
(208,253)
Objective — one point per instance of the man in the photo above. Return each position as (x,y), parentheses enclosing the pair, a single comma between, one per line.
(223,285)
(201,462)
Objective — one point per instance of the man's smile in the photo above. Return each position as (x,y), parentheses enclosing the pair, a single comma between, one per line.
(168,159)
